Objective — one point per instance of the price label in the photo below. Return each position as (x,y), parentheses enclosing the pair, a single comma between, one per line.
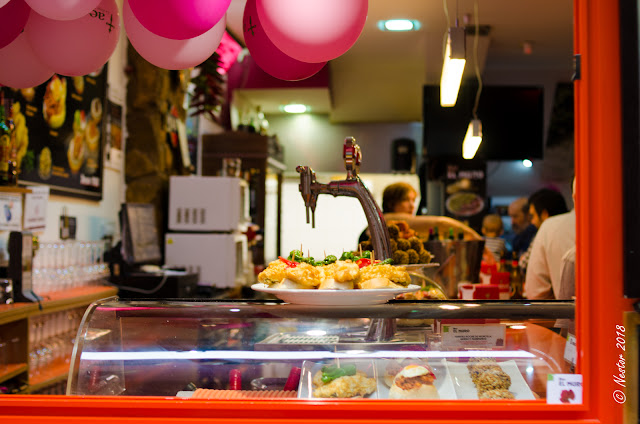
(477,336)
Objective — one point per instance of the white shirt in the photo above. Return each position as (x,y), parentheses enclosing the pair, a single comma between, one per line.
(554,238)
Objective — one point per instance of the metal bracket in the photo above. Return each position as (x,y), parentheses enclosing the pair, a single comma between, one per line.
(577,67)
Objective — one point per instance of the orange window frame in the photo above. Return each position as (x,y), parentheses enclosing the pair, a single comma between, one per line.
(600,303)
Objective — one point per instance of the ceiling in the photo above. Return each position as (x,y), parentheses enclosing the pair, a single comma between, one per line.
(380,78)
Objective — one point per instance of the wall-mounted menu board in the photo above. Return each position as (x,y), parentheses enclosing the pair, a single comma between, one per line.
(59,133)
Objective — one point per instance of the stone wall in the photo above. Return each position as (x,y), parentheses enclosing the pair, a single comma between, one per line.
(149,160)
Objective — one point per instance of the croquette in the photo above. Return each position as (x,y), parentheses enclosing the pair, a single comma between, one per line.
(414,258)
(416,244)
(394,245)
(400,257)
(403,244)
(366,245)
(425,256)
(394,231)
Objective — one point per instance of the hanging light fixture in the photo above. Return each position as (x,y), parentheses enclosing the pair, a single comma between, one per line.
(453,67)
(473,137)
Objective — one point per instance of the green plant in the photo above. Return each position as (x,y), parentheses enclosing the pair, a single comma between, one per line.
(208,94)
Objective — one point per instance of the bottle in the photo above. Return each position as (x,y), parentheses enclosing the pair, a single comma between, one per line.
(436,234)
(5,142)
(431,235)
(451,236)
(12,154)
(502,267)
(515,281)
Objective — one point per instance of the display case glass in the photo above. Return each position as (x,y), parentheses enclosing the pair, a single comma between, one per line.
(252,349)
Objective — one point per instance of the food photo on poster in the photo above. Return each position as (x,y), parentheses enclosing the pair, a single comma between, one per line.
(59,129)
(465,191)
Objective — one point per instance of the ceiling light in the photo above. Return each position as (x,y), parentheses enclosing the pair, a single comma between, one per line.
(399,25)
(453,67)
(295,108)
(472,139)
(527,163)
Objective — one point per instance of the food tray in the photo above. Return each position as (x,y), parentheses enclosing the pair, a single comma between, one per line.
(465,389)
(309,369)
(376,369)
(443,382)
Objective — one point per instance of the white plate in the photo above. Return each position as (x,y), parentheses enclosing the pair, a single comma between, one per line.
(309,369)
(443,381)
(335,297)
(419,268)
(465,389)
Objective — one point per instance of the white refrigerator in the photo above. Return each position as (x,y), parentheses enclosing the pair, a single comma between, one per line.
(208,218)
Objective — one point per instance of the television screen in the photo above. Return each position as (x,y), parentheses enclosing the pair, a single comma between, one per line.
(140,241)
(512,122)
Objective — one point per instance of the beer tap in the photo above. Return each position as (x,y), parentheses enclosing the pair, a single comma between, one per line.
(352,186)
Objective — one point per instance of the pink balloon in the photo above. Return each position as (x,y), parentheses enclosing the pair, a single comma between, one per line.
(167,53)
(313,30)
(267,56)
(25,69)
(63,10)
(77,47)
(179,19)
(13,18)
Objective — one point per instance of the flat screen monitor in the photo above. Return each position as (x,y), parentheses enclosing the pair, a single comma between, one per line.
(512,122)
(140,241)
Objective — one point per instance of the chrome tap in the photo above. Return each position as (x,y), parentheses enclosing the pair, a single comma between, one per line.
(352,186)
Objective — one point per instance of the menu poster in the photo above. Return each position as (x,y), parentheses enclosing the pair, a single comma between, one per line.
(58,133)
(465,191)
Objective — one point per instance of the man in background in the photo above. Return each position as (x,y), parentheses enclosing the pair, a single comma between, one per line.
(543,204)
(556,236)
(521,226)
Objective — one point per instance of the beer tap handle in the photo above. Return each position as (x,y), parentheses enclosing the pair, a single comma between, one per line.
(352,157)
(307,178)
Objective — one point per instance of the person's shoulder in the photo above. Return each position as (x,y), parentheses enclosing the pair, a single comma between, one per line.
(558,221)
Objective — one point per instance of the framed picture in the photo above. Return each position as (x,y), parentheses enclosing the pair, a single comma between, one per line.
(59,132)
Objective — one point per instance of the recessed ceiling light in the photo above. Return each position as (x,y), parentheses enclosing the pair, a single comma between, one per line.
(527,163)
(295,108)
(399,25)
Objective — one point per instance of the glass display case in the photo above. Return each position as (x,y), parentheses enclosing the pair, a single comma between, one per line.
(268,349)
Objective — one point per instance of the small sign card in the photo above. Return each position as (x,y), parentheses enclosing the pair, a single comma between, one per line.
(10,212)
(487,336)
(35,208)
(570,350)
(564,388)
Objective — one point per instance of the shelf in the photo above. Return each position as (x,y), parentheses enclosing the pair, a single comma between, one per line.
(13,189)
(49,377)
(11,370)
(16,312)
(75,298)
(54,302)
